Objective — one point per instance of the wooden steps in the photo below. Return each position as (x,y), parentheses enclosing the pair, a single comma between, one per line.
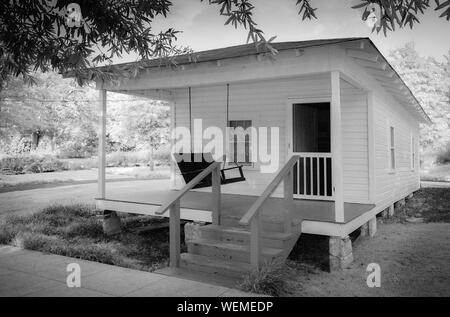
(225,249)
(271,224)
(210,265)
(241,235)
(229,251)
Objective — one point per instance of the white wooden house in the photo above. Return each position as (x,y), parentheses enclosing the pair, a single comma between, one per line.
(348,148)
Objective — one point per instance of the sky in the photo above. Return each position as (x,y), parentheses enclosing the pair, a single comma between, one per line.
(203,28)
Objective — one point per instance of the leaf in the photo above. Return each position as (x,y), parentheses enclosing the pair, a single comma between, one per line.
(442,5)
(360,5)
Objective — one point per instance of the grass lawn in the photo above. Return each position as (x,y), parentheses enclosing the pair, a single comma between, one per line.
(76,231)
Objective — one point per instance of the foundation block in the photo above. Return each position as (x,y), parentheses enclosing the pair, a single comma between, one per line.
(340,253)
(372,226)
(365,230)
(192,231)
(391,211)
(400,203)
(111,223)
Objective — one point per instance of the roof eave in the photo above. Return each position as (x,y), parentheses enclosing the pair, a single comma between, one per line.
(416,104)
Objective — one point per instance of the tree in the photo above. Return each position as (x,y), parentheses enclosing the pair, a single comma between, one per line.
(429,80)
(53,107)
(45,34)
(139,124)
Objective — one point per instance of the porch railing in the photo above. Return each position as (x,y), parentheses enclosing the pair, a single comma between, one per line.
(313,176)
(253,215)
(173,205)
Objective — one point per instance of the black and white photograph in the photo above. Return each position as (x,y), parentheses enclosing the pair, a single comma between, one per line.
(232,151)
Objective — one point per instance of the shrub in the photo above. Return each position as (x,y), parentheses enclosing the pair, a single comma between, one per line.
(80,163)
(270,279)
(443,156)
(74,149)
(125,159)
(16,145)
(29,163)
(162,155)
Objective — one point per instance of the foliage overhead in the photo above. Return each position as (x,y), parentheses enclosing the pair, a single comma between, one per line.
(35,35)
(401,13)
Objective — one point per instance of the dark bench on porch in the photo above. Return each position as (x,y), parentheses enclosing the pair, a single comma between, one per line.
(192,164)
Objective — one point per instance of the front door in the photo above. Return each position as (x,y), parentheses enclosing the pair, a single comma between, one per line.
(311,140)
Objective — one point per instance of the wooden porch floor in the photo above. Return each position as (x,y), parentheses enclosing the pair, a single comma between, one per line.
(157,192)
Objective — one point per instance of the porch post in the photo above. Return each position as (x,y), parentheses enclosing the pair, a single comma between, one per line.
(102,144)
(336,146)
(371,145)
(173,125)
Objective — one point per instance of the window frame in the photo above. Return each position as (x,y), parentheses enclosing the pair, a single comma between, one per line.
(392,159)
(230,162)
(412,152)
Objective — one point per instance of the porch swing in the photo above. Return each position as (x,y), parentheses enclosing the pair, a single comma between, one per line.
(197,162)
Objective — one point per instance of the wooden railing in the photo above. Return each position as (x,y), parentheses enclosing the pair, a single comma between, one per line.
(253,215)
(313,176)
(173,205)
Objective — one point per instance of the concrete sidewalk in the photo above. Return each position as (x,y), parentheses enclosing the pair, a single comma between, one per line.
(30,273)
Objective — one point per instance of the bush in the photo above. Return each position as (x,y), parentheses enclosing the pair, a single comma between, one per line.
(162,155)
(81,163)
(29,163)
(33,163)
(443,156)
(74,149)
(270,279)
(125,159)
(16,145)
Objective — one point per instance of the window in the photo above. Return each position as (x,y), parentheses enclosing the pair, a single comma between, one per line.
(392,147)
(413,152)
(239,140)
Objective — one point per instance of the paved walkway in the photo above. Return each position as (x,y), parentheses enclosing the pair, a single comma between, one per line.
(30,201)
(30,273)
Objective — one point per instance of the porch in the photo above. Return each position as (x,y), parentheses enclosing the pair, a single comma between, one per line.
(245,230)
(146,196)
(261,219)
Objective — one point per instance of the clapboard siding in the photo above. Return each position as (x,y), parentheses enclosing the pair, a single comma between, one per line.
(354,145)
(264,102)
(393,185)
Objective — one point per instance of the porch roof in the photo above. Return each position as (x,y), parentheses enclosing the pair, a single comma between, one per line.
(360,49)
(233,52)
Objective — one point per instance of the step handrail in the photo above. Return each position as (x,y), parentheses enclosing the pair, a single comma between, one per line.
(173,204)
(197,179)
(254,209)
(253,218)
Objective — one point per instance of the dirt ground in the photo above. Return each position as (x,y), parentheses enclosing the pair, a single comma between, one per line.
(414,261)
